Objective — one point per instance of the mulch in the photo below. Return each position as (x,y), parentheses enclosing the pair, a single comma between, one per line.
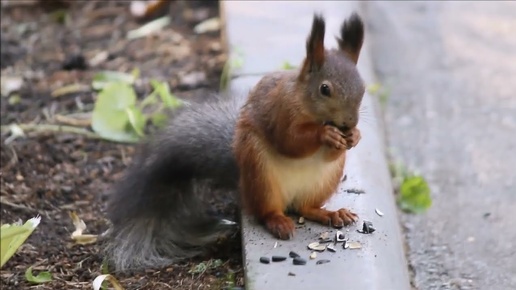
(51,174)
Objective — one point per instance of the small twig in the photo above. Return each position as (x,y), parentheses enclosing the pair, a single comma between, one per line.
(164,284)
(18,206)
(14,159)
(72,121)
(70,89)
(40,128)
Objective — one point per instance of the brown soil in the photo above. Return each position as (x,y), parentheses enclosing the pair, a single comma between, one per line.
(51,174)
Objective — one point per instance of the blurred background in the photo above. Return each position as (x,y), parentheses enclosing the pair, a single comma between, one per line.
(449,76)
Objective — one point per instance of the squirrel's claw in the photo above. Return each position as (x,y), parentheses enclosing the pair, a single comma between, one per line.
(332,137)
(280,226)
(352,138)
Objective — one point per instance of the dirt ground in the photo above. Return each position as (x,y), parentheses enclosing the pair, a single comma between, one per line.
(51,174)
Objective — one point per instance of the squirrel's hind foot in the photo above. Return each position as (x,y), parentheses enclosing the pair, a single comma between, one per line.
(338,219)
(281,226)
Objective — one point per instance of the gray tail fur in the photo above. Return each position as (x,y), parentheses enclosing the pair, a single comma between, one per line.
(158,210)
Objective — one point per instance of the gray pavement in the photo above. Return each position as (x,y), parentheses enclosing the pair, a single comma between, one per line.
(269,33)
(451,115)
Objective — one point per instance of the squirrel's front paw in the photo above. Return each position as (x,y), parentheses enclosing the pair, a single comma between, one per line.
(280,226)
(332,137)
(352,137)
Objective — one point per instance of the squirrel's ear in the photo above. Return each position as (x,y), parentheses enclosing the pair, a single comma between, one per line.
(315,45)
(351,36)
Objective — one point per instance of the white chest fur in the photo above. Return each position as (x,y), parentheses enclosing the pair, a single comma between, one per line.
(301,178)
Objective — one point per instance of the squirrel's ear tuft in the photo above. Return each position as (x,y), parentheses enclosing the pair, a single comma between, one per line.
(315,44)
(352,36)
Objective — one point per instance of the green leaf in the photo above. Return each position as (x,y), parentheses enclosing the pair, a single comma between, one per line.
(13,236)
(287,66)
(159,119)
(376,89)
(43,277)
(102,79)
(163,90)
(151,99)
(110,119)
(104,267)
(59,16)
(204,266)
(414,195)
(136,119)
(14,99)
(234,62)
(135,73)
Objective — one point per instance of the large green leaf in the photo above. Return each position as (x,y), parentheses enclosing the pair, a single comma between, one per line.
(110,118)
(414,194)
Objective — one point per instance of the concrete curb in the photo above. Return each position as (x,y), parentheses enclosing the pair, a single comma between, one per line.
(268,33)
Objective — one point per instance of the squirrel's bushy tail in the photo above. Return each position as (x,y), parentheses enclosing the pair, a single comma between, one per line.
(158,210)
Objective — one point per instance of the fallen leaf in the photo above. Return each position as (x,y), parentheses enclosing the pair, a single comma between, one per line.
(10,85)
(97,283)
(414,195)
(12,236)
(110,119)
(42,277)
(80,227)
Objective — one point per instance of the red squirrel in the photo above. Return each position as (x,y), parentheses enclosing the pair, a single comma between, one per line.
(283,147)
(288,145)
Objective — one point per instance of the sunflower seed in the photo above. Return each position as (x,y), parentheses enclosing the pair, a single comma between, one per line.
(299,261)
(278,258)
(265,260)
(315,246)
(320,262)
(339,237)
(378,212)
(367,228)
(354,245)
(293,254)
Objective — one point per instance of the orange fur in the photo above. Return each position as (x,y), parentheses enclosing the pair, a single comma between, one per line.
(289,132)
(288,158)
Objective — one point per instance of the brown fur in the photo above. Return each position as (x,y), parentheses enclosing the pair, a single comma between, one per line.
(281,132)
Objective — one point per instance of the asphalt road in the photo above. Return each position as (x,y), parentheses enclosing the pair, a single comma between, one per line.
(451,115)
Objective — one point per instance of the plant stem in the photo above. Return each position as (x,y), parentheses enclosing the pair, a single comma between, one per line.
(53,128)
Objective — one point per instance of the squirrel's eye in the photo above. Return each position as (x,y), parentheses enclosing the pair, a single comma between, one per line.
(325,90)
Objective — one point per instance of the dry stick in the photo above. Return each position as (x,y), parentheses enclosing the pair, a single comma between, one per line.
(66,120)
(53,128)
(17,206)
